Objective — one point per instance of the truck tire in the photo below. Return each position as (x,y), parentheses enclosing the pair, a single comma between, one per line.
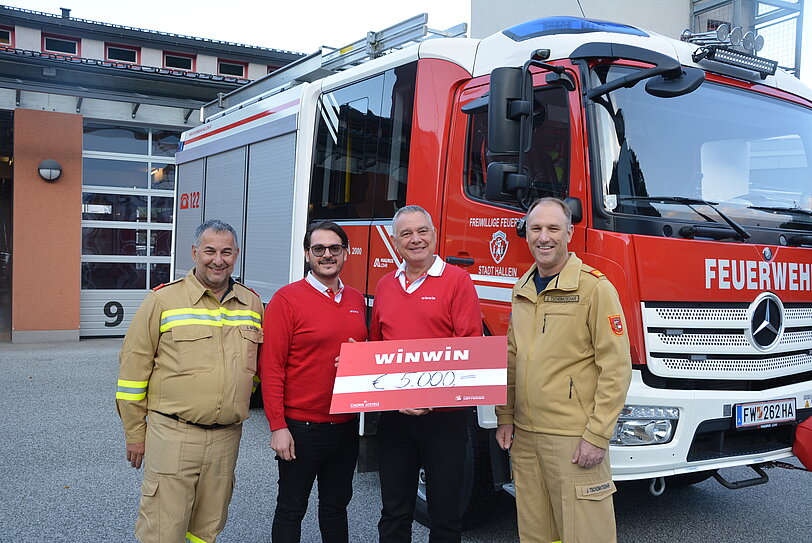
(478,494)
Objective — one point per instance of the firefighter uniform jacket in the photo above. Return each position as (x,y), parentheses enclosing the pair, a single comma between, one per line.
(569,366)
(189,355)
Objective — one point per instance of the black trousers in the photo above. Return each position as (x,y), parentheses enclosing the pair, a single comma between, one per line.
(327,452)
(437,442)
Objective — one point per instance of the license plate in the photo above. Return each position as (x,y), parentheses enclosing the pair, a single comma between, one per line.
(764,414)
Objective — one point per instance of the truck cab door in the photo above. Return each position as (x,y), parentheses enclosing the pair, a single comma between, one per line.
(480,234)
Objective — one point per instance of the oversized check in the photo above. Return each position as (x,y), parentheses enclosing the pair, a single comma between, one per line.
(404,374)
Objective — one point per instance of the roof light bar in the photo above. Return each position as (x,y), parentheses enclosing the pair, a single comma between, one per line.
(731,57)
(719,45)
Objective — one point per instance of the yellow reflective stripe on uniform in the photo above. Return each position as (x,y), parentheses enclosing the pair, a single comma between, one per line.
(209,317)
(131,390)
(256,384)
(193,539)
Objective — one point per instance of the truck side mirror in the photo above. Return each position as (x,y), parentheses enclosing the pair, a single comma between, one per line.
(576,207)
(669,87)
(503,179)
(510,101)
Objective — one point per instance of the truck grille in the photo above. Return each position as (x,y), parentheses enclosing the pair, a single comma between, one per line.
(714,341)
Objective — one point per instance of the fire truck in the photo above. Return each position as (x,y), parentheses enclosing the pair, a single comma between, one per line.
(687,165)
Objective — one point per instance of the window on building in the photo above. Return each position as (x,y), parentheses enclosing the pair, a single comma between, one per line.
(231,67)
(132,140)
(121,53)
(165,142)
(60,44)
(6,36)
(162,176)
(179,61)
(114,173)
(128,182)
(273,68)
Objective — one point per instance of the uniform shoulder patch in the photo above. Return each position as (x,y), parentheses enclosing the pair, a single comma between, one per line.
(254,291)
(246,287)
(162,285)
(596,273)
(616,324)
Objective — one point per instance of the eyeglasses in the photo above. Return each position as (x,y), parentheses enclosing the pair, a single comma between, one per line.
(318,250)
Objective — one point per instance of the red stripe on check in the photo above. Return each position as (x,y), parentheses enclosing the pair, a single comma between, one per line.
(242,122)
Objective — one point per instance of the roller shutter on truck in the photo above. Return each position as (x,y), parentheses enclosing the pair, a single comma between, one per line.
(188,213)
(225,193)
(244,176)
(266,251)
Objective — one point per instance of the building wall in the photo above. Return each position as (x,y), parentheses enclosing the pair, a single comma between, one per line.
(206,64)
(151,57)
(255,71)
(666,17)
(27,38)
(47,221)
(92,48)
(31,39)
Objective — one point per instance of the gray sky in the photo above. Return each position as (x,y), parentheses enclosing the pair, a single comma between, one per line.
(300,26)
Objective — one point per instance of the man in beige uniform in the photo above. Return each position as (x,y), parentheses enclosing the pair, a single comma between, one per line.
(568,373)
(187,369)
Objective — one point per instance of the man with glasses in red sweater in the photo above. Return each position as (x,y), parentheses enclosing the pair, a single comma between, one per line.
(423,298)
(307,321)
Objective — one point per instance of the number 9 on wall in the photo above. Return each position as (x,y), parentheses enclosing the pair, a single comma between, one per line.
(108,312)
(115,311)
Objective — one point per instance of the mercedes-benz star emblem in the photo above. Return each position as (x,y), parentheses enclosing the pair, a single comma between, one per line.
(766,318)
(767,254)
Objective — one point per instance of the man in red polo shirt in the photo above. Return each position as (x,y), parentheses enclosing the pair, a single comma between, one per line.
(308,322)
(423,298)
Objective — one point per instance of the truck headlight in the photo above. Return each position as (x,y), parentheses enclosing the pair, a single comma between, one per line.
(645,425)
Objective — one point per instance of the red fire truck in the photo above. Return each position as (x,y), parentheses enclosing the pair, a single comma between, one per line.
(687,164)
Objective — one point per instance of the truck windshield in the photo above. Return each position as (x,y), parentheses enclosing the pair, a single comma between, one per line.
(747,153)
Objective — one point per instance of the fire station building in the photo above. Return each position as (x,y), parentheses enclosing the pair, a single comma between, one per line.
(90,119)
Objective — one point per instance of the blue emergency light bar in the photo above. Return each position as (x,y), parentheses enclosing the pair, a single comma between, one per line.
(567,25)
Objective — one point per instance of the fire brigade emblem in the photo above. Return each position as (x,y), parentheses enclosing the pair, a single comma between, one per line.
(617,324)
(499,246)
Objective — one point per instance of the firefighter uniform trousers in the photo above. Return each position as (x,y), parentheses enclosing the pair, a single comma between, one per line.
(184,460)
(557,500)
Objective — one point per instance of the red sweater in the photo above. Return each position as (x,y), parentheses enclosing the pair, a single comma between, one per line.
(304,330)
(444,306)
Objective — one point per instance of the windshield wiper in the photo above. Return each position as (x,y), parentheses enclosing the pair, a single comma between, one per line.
(741,233)
(780,209)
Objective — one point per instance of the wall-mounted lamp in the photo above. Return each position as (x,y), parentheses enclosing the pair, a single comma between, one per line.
(50,170)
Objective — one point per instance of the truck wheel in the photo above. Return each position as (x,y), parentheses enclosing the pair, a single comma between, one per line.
(478,494)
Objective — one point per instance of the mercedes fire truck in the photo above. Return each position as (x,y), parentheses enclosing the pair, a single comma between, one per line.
(687,164)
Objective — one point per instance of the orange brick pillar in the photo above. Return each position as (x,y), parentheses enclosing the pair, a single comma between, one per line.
(47,245)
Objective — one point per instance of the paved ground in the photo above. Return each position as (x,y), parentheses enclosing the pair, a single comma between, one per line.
(63,476)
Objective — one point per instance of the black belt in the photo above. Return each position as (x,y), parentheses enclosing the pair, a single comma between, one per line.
(204,426)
